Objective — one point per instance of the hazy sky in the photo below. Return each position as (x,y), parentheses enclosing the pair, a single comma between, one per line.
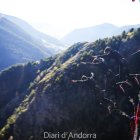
(58,17)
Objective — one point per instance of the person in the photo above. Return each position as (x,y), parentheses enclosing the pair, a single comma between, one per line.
(110,53)
(84,78)
(90,81)
(100,63)
(136,78)
(122,62)
(111,105)
(120,84)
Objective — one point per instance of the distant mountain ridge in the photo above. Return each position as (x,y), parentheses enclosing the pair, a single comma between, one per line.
(95,32)
(32,31)
(124,28)
(19,44)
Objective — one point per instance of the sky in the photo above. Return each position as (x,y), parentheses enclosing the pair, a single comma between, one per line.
(59,17)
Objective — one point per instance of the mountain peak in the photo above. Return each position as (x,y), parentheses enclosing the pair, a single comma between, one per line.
(107,24)
(89,33)
(1,15)
(95,32)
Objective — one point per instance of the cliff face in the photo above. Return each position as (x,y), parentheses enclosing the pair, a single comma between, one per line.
(54,104)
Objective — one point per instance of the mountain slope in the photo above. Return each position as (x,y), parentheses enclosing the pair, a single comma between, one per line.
(15,46)
(41,37)
(19,46)
(54,104)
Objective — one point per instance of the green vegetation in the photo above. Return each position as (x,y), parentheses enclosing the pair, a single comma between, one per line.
(45,90)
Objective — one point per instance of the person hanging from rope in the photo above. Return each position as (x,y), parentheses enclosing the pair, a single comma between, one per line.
(84,78)
(121,84)
(135,77)
(132,81)
(100,63)
(122,62)
(109,104)
(90,81)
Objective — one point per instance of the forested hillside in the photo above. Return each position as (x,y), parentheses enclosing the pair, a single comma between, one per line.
(41,97)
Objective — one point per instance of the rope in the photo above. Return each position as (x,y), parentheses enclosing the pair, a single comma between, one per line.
(136,121)
(137,81)
(121,88)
